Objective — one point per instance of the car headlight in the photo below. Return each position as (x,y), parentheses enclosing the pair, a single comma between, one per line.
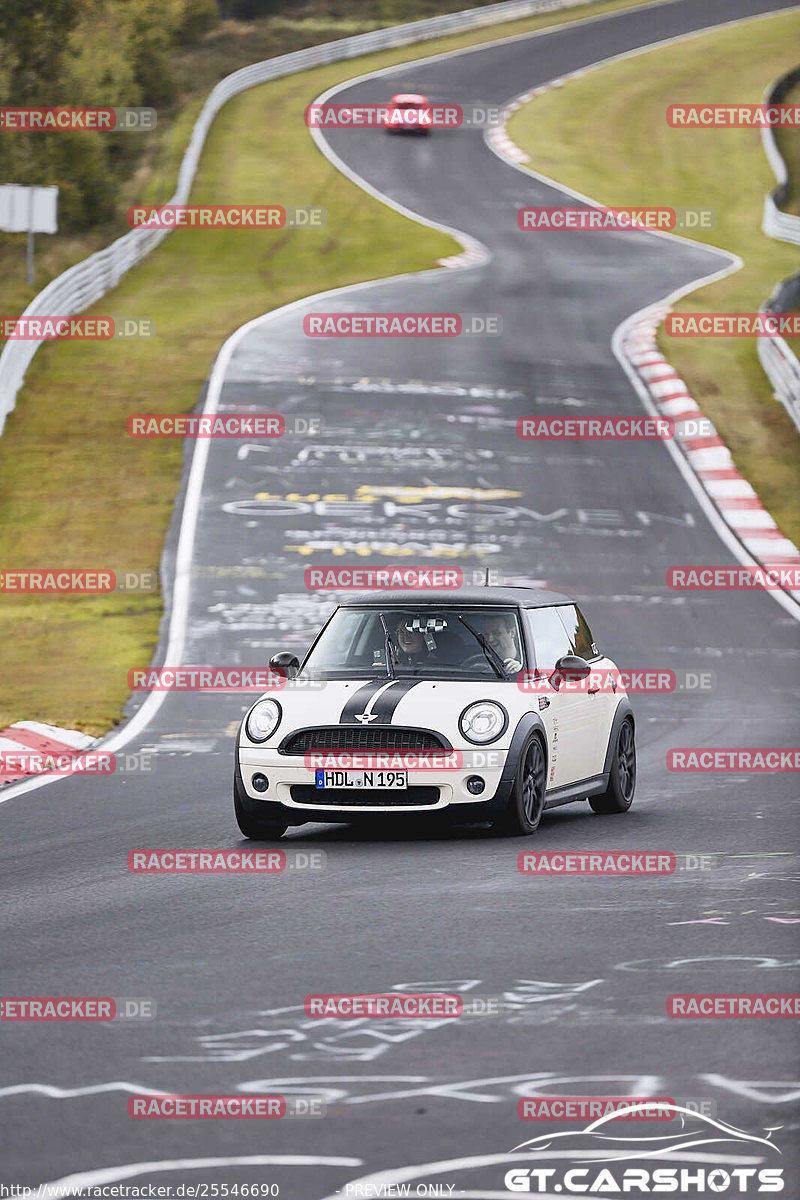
(483,721)
(262,720)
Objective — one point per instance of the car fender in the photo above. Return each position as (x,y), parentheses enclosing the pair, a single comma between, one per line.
(525,726)
(528,723)
(258,808)
(623,710)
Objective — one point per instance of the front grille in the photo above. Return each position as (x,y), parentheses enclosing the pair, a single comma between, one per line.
(306,793)
(362,737)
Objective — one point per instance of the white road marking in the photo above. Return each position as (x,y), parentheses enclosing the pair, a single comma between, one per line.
(92,1089)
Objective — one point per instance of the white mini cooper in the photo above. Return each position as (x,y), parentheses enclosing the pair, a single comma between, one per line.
(488,707)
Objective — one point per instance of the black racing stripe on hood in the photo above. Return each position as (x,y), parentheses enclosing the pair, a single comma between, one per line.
(382,709)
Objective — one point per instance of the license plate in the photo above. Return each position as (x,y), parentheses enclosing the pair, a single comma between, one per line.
(381,780)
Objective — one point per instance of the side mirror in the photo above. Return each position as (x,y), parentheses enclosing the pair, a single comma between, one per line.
(572,667)
(286,664)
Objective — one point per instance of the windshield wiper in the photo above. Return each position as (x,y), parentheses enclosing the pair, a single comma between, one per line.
(389,648)
(492,657)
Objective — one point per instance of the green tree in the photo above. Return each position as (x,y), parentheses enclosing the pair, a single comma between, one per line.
(106,53)
(34,37)
(197,17)
(151,26)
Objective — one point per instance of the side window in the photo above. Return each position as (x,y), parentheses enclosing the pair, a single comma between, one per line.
(579,633)
(550,641)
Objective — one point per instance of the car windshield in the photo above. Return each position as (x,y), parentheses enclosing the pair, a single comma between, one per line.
(426,642)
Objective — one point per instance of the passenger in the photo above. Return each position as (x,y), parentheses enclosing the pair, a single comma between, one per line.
(501,634)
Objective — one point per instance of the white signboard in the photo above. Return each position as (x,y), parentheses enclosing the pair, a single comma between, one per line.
(28,209)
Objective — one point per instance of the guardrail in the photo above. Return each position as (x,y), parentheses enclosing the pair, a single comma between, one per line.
(775,355)
(84,283)
(776,223)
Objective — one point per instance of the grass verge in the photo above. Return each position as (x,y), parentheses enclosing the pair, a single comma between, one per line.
(74,491)
(641,161)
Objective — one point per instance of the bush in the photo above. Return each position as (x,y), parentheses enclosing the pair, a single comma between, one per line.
(151,27)
(88,52)
(196,18)
(87,189)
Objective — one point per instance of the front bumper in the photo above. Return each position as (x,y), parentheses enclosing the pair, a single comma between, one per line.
(402,127)
(286,772)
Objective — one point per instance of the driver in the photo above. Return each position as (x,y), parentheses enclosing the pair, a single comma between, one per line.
(410,641)
(420,640)
(501,634)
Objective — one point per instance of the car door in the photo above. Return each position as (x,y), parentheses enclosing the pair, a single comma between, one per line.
(566,711)
(602,694)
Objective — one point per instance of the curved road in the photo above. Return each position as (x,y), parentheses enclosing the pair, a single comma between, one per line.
(419,448)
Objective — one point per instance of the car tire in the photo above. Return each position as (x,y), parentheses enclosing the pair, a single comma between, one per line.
(526,802)
(618,796)
(252,826)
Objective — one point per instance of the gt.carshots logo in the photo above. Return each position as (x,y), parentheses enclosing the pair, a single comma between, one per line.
(684,1161)
(383,578)
(680,1181)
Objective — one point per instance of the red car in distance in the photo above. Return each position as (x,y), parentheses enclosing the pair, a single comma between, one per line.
(408,112)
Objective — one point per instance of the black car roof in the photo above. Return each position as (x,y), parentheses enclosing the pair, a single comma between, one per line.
(526,597)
